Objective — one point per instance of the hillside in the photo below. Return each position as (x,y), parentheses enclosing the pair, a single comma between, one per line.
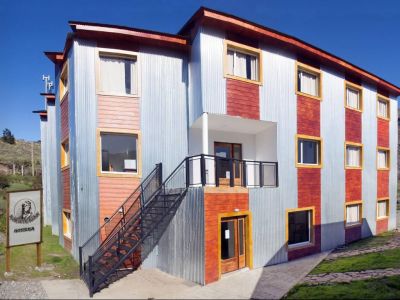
(19,153)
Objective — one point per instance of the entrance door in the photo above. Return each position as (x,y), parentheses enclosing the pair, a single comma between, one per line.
(233,244)
(228,151)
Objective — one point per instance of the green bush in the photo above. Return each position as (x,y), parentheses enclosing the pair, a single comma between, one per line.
(4,182)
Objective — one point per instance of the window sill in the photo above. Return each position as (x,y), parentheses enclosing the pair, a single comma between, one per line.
(63,168)
(383,169)
(319,98)
(300,246)
(352,108)
(257,82)
(383,118)
(68,237)
(382,218)
(352,225)
(118,95)
(353,168)
(308,166)
(120,175)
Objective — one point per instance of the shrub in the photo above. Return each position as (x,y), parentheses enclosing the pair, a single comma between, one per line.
(4,182)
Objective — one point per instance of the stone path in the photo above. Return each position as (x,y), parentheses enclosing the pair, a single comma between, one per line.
(22,290)
(391,244)
(326,278)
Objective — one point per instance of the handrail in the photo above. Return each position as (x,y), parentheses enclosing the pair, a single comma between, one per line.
(118,209)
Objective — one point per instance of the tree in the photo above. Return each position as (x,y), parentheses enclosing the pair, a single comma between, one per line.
(8,137)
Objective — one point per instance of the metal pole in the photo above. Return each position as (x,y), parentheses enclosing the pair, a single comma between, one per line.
(80,261)
(244,175)
(187,172)
(261,175)
(203,170)
(232,176)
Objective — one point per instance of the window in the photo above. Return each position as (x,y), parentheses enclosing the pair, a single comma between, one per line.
(353,156)
(382,209)
(118,74)
(67,224)
(353,214)
(65,154)
(353,96)
(383,159)
(119,152)
(308,81)
(63,85)
(308,151)
(243,62)
(300,224)
(383,109)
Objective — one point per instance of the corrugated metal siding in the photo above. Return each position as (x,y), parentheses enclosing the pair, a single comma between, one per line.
(195,103)
(393,140)
(164,113)
(268,206)
(369,174)
(213,83)
(83,126)
(45,186)
(332,173)
(181,248)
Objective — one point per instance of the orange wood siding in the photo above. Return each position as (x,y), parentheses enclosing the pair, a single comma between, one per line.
(383,133)
(353,185)
(214,204)
(112,192)
(64,118)
(308,116)
(242,99)
(382,225)
(66,188)
(118,112)
(353,126)
(383,183)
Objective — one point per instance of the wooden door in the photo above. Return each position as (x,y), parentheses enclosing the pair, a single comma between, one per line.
(233,244)
(228,151)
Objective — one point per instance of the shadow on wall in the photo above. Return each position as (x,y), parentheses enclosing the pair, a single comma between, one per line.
(279,278)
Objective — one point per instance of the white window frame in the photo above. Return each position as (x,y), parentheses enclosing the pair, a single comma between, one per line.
(116,53)
(354,87)
(319,147)
(360,213)
(387,151)
(386,200)
(381,98)
(300,67)
(356,145)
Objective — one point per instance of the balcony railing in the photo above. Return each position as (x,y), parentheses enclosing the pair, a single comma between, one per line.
(211,170)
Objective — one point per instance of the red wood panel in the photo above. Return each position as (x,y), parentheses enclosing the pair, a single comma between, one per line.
(383,133)
(352,234)
(242,99)
(118,112)
(353,185)
(64,118)
(308,116)
(383,183)
(309,194)
(66,187)
(353,126)
(67,243)
(214,204)
(382,225)
(113,191)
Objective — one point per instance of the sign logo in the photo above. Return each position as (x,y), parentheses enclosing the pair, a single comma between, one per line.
(24,212)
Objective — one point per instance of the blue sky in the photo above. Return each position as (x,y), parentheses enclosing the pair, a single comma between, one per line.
(365,33)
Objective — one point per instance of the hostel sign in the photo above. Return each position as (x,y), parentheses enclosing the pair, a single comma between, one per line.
(24,221)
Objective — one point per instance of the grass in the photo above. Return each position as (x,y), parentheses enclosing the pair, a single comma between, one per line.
(370,261)
(57,262)
(370,242)
(382,288)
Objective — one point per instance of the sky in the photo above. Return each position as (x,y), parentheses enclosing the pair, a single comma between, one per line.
(366,33)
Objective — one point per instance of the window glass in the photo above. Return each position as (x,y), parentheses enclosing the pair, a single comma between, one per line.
(383,109)
(308,83)
(353,156)
(118,152)
(299,227)
(228,239)
(353,98)
(242,64)
(118,75)
(65,154)
(382,159)
(383,208)
(353,214)
(308,152)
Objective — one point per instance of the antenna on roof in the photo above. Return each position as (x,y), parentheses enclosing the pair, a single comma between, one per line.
(48,85)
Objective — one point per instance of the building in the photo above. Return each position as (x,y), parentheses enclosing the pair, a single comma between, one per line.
(227,145)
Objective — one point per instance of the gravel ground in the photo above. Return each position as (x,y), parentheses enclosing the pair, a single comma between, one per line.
(22,290)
